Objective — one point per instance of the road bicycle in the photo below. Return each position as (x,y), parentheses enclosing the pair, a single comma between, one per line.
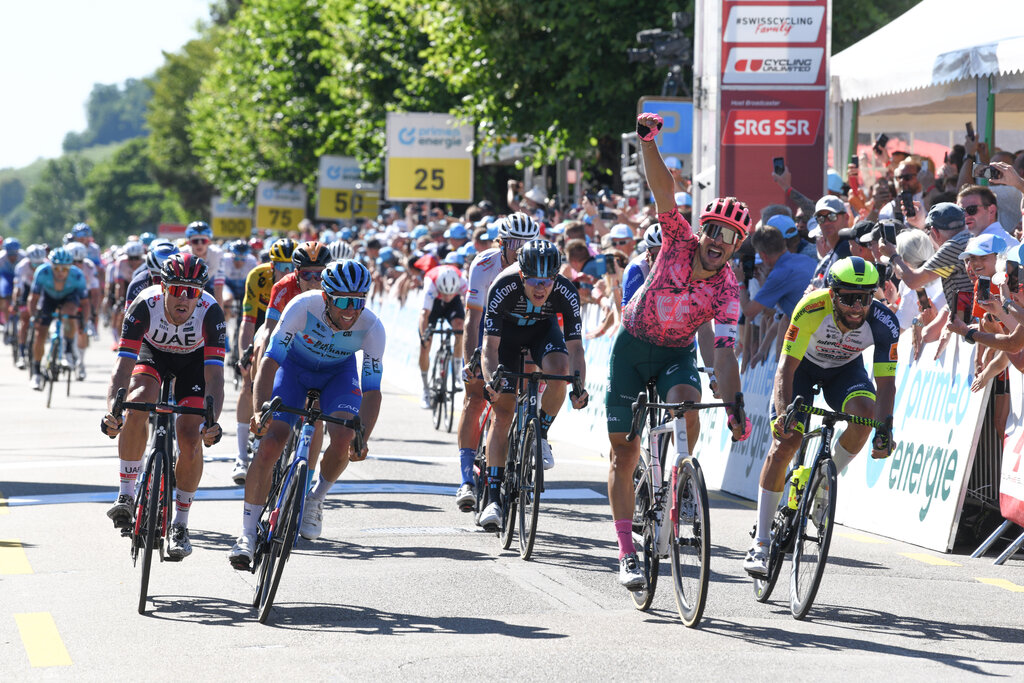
(802,525)
(523,483)
(11,336)
(278,528)
(444,382)
(54,362)
(672,518)
(155,489)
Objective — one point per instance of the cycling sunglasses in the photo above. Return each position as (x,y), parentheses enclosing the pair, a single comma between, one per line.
(512,243)
(539,281)
(354,302)
(851,299)
(283,267)
(308,275)
(722,233)
(199,240)
(184,291)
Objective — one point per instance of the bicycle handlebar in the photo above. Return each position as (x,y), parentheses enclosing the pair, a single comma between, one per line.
(276,406)
(245,358)
(641,406)
(120,405)
(500,372)
(799,405)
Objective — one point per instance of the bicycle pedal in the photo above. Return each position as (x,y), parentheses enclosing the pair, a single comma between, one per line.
(171,558)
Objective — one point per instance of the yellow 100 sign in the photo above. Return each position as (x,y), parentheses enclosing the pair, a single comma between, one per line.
(438,179)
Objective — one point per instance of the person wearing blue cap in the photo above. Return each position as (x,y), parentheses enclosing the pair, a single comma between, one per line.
(456,235)
(791,233)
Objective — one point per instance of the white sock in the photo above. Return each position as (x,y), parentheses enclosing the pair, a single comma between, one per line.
(129,473)
(251,518)
(182,504)
(243,442)
(424,376)
(458,367)
(322,487)
(841,457)
(767,504)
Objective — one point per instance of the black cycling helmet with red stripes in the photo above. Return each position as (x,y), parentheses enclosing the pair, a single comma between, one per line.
(309,254)
(185,269)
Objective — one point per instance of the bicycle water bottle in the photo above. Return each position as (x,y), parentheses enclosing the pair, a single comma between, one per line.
(797,483)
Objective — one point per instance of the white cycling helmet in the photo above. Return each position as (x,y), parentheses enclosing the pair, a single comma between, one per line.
(652,236)
(78,251)
(340,250)
(448,282)
(518,226)
(134,249)
(36,254)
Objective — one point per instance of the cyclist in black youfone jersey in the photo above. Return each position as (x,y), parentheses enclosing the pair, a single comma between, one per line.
(522,308)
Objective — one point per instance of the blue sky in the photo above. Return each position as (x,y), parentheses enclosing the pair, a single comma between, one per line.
(53,51)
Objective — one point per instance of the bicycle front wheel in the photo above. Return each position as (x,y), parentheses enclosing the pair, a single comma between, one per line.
(645,533)
(436,387)
(147,522)
(814,523)
(509,491)
(450,389)
(480,469)
(50,374)
(691,543)
(531,482)
(282,539)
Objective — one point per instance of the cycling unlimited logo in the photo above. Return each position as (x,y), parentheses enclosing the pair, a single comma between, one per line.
(773,66)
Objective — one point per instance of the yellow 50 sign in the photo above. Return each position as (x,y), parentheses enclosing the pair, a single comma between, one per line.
(346,204)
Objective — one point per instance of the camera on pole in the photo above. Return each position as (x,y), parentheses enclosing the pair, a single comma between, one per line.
(667,48)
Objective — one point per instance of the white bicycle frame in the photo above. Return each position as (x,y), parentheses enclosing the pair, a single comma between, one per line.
(664,495)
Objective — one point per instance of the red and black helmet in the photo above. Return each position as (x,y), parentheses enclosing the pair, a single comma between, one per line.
(310,254)
(185,269)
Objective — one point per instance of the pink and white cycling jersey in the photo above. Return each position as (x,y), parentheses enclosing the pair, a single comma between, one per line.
(670,306)
(482,273)
(430,284)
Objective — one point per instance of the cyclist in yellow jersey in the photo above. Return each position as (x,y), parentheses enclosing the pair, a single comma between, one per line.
(254,311)
(830,330)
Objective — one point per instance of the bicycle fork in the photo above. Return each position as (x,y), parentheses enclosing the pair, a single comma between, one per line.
(665,496)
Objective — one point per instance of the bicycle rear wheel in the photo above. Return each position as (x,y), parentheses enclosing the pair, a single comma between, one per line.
(531,483)
(691,543)
(282,539)
(147,521)
(814,523)
(50,373)
(480,465)
(644,533)
(68,371)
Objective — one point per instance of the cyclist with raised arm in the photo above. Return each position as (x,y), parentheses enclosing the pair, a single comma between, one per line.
(56,286)
(258,285)
(443,289)
(830,329)
(314,347)
(513,232)
(174,327)
(523,306)
(690,284)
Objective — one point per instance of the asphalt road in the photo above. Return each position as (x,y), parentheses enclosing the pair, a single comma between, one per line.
(402,583)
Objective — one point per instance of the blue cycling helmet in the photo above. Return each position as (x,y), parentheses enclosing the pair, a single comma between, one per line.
(81,230)
(147,238)
(158,254)
(61,257)
(198,228)
(345,277)
(539,258)
(239,248)
(11,244)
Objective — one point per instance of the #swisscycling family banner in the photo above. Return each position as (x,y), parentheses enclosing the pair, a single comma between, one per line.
(774,95)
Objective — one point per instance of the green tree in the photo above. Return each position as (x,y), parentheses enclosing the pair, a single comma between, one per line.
(12,193)
(256,115)
(121,196)
(174,165)
(112,114)
(57,201)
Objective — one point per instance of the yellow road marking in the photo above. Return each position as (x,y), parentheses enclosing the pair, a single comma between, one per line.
(12,557)
(41,639)
(861,538)
(1002,583)
(930,559)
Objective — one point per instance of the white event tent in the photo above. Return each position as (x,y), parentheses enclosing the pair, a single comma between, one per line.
(926,73)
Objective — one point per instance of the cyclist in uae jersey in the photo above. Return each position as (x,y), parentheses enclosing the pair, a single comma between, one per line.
(513,232)
(174,328)
(258,285)
(314,347)
(443,289)
(830,330)
(689,284)
(523,309)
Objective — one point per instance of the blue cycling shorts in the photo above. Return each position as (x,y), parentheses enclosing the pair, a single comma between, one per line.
(339,390)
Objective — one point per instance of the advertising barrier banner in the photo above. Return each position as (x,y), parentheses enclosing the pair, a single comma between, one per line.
(1011,482)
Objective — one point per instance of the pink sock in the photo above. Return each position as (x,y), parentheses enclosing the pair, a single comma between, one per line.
(624,534)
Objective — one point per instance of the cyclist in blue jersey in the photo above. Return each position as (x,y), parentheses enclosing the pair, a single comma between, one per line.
(313,347)
(9,259)
(638,269)
(55,285)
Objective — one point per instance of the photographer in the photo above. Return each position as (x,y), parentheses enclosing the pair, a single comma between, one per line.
(909,196)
